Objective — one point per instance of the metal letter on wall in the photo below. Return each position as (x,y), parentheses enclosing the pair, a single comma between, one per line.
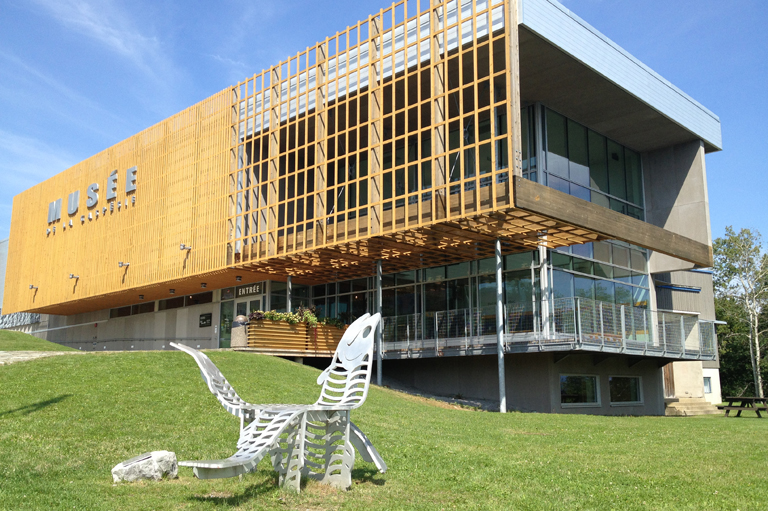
(93,197)
(73,202)
(54,211)
(130,180)
(112,185)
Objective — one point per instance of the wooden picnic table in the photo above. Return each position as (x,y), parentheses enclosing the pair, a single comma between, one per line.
(746,403)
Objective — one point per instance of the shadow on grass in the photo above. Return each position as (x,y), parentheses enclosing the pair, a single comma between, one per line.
(251,492)
(366,475)
(36,407)
(359,475)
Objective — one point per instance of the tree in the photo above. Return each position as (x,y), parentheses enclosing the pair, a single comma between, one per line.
(741,287)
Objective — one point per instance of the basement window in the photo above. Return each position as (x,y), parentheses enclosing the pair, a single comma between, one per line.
(579,390)
(625,390)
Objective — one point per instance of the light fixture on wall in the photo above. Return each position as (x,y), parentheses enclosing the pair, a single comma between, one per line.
(172,291)
(141,297)
(73,276)
(32,286)
(185,247)
(123,265)
(203,285)
(239,278)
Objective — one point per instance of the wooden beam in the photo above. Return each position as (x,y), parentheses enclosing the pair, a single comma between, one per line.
(562,207)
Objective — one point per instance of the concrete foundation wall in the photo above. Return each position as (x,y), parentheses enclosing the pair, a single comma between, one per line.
(689,379)
(676,197)
(532,380)
(97,331)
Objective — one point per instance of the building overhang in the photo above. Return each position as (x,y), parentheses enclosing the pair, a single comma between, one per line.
(571,67)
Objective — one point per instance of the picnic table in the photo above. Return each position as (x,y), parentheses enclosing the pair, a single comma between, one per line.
(755,404)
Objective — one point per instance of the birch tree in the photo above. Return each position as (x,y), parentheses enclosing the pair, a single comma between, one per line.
(741,274)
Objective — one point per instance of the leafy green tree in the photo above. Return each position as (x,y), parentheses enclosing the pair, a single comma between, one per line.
(741,290)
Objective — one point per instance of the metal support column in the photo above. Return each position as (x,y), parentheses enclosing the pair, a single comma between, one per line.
(500,330)
(289,292)
(379,350)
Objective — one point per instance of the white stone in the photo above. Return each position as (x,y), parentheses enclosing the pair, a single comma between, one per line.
(151,465)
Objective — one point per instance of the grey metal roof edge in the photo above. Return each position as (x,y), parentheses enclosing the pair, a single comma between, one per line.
(523,20)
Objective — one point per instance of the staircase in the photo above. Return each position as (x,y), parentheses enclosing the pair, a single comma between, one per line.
(686,406)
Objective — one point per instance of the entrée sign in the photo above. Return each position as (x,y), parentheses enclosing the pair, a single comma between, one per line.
(92,200)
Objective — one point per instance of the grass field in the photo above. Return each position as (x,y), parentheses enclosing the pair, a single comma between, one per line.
(66,421)
(17,341)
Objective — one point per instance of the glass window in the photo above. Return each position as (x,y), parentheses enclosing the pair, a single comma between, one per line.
(486,265)
(584,287)
(120,312)
(562,284)
(487,292)
(584,250)
(577,153)
(604,291)
(359,304)
(434,274)
(171,303)
(557,144)
(458,294)
(579,390)
(518,289)
(143,308)
(457,270)
(598,164)
(518,261)
(406,300)
(435,296)
(388,302)
(198,299)
(602,251)
(228,293)
(625,389)
(707,384)
(634,178)
(616,179)
(406,277)
(320,310)
(561,261)
(620,256)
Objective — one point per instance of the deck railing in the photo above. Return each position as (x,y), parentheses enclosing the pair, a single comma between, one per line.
(557,325)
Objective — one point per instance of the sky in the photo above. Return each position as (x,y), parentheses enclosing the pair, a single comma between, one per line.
(78,76)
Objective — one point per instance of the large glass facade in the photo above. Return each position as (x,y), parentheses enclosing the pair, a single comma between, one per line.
(581,162)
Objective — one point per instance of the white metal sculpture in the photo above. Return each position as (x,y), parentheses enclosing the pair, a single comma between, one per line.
(317,441)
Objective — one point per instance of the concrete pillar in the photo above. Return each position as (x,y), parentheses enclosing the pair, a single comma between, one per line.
(379,350)
(289,291)
(500,329)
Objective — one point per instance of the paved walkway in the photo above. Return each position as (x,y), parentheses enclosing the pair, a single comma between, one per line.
(10,357)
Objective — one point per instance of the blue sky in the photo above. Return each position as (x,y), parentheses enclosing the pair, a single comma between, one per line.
(77,76)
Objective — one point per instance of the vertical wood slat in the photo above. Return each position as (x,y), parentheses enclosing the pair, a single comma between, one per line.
(180,198)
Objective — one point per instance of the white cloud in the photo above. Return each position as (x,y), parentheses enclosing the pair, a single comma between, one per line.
(26,161)
(114,29)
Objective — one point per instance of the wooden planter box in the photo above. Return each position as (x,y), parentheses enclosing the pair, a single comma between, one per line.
(299,339)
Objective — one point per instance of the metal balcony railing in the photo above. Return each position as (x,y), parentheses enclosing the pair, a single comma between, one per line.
(562,324)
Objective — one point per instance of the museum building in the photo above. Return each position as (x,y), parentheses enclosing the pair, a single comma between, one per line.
(523,200)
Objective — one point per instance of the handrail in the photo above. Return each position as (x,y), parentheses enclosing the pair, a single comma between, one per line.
(582,323)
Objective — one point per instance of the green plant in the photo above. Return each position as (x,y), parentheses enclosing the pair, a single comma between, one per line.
(338,323)
(302,315)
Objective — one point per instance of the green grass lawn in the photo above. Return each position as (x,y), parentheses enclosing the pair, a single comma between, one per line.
(66,421)
(17,341)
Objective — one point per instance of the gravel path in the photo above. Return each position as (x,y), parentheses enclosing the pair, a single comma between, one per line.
(10,357)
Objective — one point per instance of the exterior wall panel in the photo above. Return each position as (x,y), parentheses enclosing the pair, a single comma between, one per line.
(180,197)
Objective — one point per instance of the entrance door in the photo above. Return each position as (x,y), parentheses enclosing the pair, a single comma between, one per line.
(246,307)
(225,327)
